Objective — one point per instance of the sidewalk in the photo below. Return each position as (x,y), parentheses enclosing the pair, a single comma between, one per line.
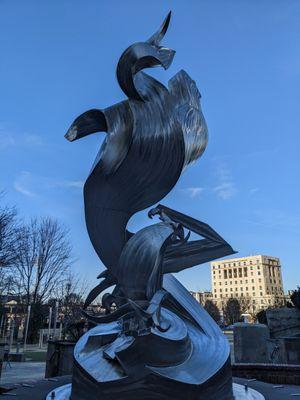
(22,372)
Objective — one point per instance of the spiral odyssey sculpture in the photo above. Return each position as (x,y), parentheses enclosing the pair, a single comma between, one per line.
(154,341)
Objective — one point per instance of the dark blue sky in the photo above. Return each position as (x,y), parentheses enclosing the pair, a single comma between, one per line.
(58,59)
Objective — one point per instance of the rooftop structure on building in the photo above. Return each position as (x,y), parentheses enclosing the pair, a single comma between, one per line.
(202,297)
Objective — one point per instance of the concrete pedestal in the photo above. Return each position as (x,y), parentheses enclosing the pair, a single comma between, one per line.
(59,358)
(251,343)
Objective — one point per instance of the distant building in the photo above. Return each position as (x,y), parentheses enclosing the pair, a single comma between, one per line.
(288,296)
(201,297)
(255,280)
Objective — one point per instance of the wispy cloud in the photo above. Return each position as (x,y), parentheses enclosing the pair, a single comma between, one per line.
(6,140)
(22,184)
(30,184)
(253,191)
(193,191)
(271,218)
(226,188)
(68,184)
(9,139)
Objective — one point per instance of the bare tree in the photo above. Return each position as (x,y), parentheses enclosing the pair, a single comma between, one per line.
(71,295)
(232,311)
(212,310)
(8,228)
(43,258)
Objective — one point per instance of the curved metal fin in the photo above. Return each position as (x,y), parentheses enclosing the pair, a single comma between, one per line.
(158,36)
(89,122)
(105,284)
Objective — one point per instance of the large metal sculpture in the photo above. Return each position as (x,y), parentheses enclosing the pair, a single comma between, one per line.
(155,341)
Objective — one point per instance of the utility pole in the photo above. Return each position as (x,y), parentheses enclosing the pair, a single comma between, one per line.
(49,322)
(11,337)
(27,326)
(55,319)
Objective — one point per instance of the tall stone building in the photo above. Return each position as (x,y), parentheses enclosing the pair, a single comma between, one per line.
(255,280)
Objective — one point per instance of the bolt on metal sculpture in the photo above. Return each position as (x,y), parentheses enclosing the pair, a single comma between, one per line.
(158,343)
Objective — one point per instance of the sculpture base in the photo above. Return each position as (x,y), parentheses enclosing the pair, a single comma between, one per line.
(239,393)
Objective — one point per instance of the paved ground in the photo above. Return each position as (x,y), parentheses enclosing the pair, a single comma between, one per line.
(38,389)
(22,372)
(272,392)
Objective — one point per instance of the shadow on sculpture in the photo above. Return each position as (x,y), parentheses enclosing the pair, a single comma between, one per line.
(158,343)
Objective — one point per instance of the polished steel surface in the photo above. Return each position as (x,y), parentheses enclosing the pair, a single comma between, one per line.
(61,393)
(156,342)
(242,392)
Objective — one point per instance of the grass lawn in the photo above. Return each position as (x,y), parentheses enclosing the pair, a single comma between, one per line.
(35,356)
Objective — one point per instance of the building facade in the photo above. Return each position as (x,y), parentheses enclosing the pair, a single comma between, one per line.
(256,281)
(202,297)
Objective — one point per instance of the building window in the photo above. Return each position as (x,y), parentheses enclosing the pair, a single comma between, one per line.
(225,274)
(245,271)
(261,293)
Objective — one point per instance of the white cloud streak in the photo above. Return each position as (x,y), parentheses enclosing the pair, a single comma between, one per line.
(226,189)
(193,191)
(22,184)
(10,139)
